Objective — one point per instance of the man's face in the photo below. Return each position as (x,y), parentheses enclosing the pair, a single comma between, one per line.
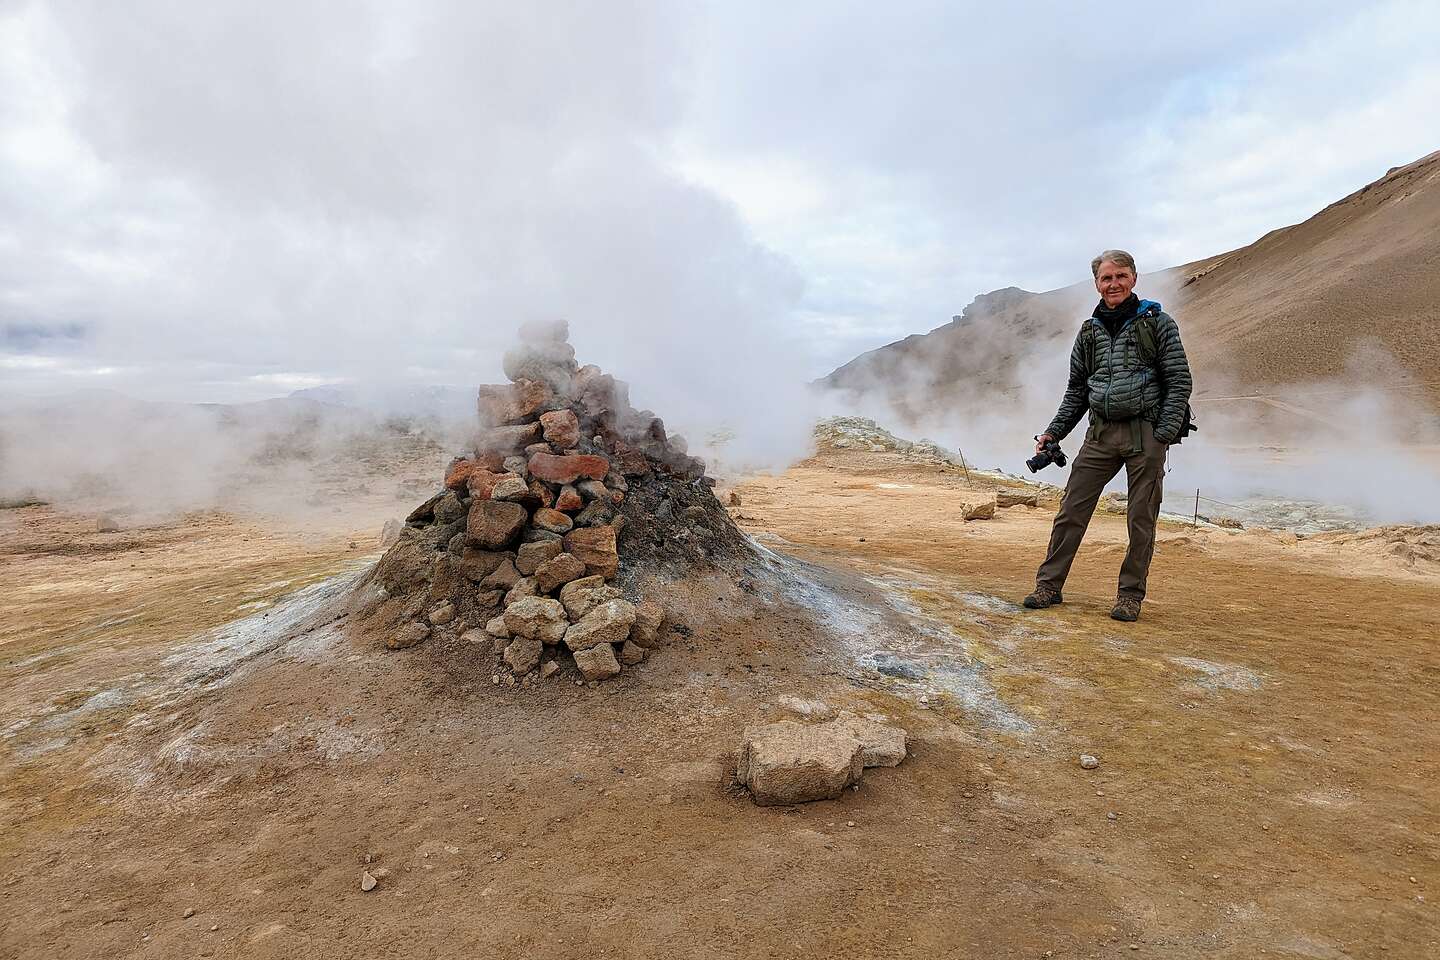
(1114,283)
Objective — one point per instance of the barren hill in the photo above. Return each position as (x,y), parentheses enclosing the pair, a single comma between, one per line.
(1296,306)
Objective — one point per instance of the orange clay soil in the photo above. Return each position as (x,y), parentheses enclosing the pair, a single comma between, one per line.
(1266,734)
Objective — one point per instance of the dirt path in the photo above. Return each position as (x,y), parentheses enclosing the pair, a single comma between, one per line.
(1266,734)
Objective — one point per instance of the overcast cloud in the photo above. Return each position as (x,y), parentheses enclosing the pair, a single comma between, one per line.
(232,200)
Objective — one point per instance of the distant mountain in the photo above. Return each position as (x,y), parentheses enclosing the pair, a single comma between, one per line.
(432,401)
(1299,305)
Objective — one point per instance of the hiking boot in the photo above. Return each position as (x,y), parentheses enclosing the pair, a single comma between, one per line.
(1127,609)
(1044,596)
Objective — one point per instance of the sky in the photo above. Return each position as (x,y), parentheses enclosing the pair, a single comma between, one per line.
(230,201)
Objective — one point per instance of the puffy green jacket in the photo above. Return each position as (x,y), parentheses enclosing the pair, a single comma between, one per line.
(1138,372)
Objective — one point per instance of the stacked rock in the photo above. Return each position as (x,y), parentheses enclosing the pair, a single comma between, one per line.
(524,534)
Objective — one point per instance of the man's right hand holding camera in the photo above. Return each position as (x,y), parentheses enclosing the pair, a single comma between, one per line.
(1041,440)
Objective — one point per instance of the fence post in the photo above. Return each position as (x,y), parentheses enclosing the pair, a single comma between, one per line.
(1196,522)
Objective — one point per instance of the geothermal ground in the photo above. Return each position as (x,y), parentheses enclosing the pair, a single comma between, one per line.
(199,759)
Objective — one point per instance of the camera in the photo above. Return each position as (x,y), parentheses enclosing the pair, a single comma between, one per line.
(1049,453)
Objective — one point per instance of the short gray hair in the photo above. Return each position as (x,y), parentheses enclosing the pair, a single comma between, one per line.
(1118,257)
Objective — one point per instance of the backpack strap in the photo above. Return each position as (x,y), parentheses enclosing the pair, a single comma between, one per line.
(1087,335)
(1145,336)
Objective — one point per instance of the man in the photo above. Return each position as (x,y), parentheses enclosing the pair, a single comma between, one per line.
(1128,369)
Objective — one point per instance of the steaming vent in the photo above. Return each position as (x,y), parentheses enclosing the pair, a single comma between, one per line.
(543,535)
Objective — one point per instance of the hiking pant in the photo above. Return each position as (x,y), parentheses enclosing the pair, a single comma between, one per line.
(1105,451)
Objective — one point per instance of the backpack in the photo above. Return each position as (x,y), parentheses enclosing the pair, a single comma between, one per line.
(1149,351)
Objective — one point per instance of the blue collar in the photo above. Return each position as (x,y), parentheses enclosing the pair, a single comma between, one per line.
(1144,308)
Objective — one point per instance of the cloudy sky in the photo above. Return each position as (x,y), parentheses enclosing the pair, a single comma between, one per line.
(228,201)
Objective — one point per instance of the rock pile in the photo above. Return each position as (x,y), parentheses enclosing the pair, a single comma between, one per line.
(526,546)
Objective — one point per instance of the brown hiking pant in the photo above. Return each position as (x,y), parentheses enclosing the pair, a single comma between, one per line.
(1103,454)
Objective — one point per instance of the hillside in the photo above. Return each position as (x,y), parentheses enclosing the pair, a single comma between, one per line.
(1304,303)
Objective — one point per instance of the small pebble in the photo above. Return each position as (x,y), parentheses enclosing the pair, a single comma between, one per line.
(189,912)
(849,823)
(1112,815)
(1088,762)
(214,927)
(367,881)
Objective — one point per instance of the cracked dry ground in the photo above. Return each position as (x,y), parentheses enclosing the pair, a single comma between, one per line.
(1266,734)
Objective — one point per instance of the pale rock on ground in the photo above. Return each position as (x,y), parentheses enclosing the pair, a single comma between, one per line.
(540,618)
(597,662)
(882,744)
(608,623)
(410,635)
(978,509)
(523,654)
(790,762)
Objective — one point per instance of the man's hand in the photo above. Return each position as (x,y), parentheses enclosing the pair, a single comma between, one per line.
(1041,440)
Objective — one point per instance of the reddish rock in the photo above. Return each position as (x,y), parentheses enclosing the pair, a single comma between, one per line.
(509,403)
(569,499)
(561,427)
(426,510)
(533,554)
(541,494)
(552,520)
(558,571)
(502,577)
(553,469)
(482,483)
(507,440)
(630,461)
(594,546)
(476,565)
(495,524)
(458,473)
(490,460)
